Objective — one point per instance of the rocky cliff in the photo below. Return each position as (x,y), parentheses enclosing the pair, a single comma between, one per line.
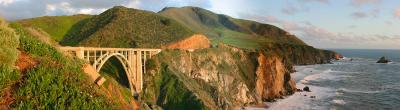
(216,78)
(197,41)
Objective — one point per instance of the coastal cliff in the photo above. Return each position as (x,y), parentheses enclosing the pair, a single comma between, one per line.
(216,78)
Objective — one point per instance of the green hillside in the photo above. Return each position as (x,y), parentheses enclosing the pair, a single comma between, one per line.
(57,27)
(126,27)
(222,28)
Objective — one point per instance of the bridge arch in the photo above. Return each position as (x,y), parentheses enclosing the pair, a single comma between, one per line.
(99,63)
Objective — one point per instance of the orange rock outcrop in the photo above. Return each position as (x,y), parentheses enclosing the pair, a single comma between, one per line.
(197,41)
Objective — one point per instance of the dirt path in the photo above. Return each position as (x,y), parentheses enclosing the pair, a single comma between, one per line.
(23,63)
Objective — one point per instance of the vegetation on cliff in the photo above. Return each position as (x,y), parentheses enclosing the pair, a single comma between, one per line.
(44,78)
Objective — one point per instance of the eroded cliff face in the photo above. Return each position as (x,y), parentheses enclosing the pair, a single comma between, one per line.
(273,78)
(218,78)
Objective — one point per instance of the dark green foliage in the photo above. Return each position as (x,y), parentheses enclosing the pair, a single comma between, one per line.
(151,64)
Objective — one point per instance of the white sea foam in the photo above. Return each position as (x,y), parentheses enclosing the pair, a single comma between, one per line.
(338,93)
(299,101)
(338,101)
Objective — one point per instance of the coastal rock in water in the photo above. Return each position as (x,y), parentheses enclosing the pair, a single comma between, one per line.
(299,90)
(307,89)
(338,56)
(383,60)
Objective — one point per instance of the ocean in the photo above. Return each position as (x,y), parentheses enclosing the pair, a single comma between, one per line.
(359,84)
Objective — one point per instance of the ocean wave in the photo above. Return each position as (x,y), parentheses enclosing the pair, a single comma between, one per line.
(338,93)
(359,91)
(318,75)
(339,101)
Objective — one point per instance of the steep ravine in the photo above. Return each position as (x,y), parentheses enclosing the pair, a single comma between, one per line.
(216,78)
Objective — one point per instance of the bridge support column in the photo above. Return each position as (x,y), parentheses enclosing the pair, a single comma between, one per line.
(80,53)
(139,73)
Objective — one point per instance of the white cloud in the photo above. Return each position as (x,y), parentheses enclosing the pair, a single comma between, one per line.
(86,11)
(6,2)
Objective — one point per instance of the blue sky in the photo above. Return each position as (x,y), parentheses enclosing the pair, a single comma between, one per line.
(360,24)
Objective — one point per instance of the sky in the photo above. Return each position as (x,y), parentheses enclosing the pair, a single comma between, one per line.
(350,24)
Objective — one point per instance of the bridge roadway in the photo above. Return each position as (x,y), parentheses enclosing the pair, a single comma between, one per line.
(133,60)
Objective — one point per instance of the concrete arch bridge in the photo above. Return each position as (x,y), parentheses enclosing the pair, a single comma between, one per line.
(133,60)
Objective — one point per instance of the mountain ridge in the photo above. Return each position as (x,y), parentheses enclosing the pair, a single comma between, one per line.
(219,25)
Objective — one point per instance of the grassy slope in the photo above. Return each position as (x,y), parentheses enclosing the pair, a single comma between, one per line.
(8,54)
(221,28)
(57,82)
(58,27)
